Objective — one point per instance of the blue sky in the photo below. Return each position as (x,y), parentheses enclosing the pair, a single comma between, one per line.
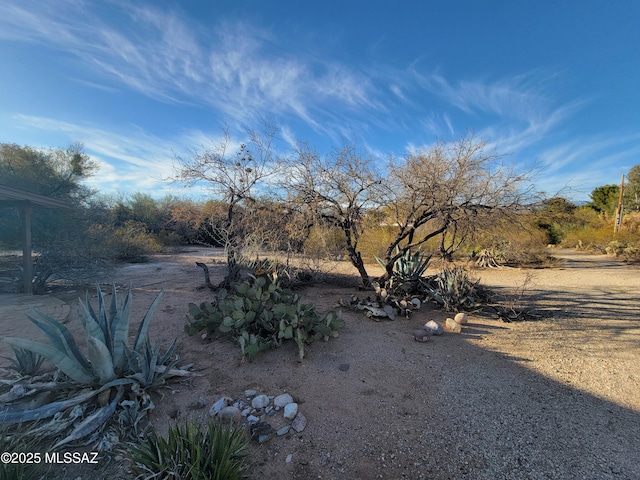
(553,84)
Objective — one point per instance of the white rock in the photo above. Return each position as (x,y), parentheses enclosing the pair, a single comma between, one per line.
(434,327)
(282,401)
(252,419)
(461,318)
(260,401)
(291,410)
(453,326)
(288,459)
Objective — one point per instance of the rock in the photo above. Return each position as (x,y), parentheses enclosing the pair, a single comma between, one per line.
(288,459)
(390,311)
(453,326)
(416,303)
(231,414)
(250,393)
(282,401)
(434,326)
(461,318)
(253,419)
(422,335)
(261,431)
(219,405)
(290,411)
(260,401)
(299,422)
(343,367)
(284,430)
(246,412)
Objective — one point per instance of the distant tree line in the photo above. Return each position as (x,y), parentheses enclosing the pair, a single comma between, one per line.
(451,200)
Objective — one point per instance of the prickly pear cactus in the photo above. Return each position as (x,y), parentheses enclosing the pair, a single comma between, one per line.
(260,314)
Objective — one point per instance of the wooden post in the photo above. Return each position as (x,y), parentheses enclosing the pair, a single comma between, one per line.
(27,264)
(618,222)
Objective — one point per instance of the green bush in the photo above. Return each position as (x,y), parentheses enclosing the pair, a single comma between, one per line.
(189,453)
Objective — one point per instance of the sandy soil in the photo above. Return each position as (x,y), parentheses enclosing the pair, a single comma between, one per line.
(555,398)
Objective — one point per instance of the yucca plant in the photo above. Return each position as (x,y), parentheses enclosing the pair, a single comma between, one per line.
(17,442)
(190,452)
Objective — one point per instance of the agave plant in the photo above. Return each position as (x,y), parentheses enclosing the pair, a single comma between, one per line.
(407,269)
(454,290)
(25,362)
(109,368)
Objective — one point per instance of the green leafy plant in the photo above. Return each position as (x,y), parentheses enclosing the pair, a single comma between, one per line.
(111,372)
(260,314)
(191,452)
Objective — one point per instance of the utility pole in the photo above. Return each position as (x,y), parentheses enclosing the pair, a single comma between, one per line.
(618,223)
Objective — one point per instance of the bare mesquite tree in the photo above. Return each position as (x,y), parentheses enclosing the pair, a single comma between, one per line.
(338,190)
(452,188)
(236,178)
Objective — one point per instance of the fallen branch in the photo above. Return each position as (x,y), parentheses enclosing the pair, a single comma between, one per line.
(207,278)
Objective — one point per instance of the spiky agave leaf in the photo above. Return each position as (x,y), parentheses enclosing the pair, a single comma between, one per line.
(100,359)
(120,329)
(59,358)
(16,414)
(92,422)
(143,330)
(59,336)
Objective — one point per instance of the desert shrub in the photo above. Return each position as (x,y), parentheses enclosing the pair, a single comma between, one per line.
(260,314)
(324,242)
(191,453)
(133,242)
(375,240)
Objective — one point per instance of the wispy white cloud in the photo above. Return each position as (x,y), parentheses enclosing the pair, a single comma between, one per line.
(234,68)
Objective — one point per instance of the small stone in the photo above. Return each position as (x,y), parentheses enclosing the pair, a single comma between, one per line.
(246,411)
(262,431)
(260,401)
(288,459)
(461,318)
(422,335)
(283,400)
(299,422)
(284,430)
(219,405)
(453,326)
(250,393)
(416,303)
(290,411)
(434,326)
(252,419)
(231,414)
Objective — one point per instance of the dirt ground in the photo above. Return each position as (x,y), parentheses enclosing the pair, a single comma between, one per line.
(555,398)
